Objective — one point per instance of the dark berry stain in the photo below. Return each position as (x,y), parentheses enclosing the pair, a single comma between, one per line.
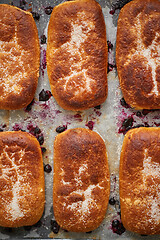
(126,125)
(90,125)
(112,201)
(29,107)
(98,113)
(36,15)
(47,168)
(77,115)
(48,10)
(110,46)
(44,95)
(123,103)
(117,227)
(54,226)
(111,67)
(43,39)
(61,129)
(89,232)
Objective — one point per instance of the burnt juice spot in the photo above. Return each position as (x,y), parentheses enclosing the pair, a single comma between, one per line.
(126,125)
(48,10)
(61,129)
(44,95)
(47,168)
(90,125)
(54,226)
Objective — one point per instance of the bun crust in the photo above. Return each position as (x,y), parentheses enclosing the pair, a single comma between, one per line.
(77,55)
(137,53)
(81,184)
(22,191)
(140,181)
(19,57)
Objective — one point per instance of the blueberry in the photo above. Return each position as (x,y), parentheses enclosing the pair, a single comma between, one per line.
(54,226)
(115,223)
(37,130)
(43,39)
(48,10)
(98,107)
(36,15)
(29,107)
(44,95)
(123,103)
(43,149)
(61,129)
(138,114)
(40,139)
(47,168)
(112,201)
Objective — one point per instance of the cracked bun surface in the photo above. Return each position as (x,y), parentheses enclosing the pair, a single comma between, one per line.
(137,53)
(81,184)
(22,190)
(77,55)
(139,178)
(19,57)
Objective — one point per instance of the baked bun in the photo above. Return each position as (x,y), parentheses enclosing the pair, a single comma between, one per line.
(137,53)
(139,179)
(19,57)
(81,184)
(22,193)
(77,55)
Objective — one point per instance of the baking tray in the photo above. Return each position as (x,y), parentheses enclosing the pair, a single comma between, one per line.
(106,119)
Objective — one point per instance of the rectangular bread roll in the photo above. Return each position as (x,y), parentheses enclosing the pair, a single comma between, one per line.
(138,55)
(139,178)
(81,184)
(22,190)
(19,57)
(77,54)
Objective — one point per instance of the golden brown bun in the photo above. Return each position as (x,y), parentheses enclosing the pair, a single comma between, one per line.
(137,54)
(140,181)
(19,57)
(81,184)
(22,193)
(77,55)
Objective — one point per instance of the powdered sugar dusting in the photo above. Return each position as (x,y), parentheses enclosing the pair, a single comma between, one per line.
(152,169)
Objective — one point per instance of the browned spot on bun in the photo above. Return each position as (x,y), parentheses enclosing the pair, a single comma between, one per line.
(19,57)
(76,47)
(137,54)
